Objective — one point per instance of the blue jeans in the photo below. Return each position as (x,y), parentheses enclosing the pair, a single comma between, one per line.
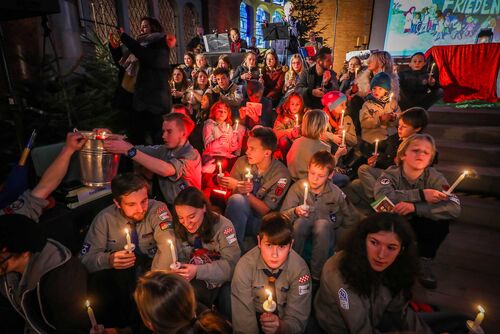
(245,220)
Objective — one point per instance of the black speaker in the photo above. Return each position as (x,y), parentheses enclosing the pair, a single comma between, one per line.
(19,9)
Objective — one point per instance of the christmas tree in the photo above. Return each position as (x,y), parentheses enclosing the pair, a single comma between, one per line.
(307,12)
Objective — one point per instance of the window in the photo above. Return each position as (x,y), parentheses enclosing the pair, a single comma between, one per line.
(261,16)
(277,17)
(243,21)
(279,2)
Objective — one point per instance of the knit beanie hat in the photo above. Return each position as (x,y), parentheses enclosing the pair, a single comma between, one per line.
(332,99)
(19,234)
(383,80)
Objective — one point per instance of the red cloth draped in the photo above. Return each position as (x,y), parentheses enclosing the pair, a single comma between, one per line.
(467,72)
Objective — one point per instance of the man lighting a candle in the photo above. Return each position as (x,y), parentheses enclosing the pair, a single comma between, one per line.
(255,196)
(273,266)
(125,240)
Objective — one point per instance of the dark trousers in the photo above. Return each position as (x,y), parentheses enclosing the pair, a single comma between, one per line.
(146,128)
(420,100)
(430,234)
(203,294)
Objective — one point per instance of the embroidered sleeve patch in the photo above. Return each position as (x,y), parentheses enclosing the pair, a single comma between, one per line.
(230,235)
(304,289)
(280,186)
(304,279)
(166,225)
(344,299)
(385,181)
(85,248)
(163,213)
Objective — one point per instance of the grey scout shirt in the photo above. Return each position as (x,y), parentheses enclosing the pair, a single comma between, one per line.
(393,184)
(107,235)
(187,164)
(27,205)
(293,293)
(273,183)
(330,205)
(224,242)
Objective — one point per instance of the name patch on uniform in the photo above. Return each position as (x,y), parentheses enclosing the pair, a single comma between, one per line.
(305,286)
(280,186)
(230,235)
(163,213)
(85,248)
(385,181)
(17,205)
(344,299)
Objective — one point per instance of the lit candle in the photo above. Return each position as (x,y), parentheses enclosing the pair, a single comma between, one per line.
(356,69)
(269,304)
(357,41)
(479,317)
(236,124)
(93,14)
(296,120)
(432,68)
(376,147)
(457,181)
(260,71)
(174,254)
(129,242)
(342,119)
(249,175)
(90,312)
(306,191)
(365,40)
(343,139)
(390,98)
(220,167)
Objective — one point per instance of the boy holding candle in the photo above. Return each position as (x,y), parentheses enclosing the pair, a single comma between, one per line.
(114,267)
(258,182)
(273,266)
(317,207)
(417,190)
(378,114)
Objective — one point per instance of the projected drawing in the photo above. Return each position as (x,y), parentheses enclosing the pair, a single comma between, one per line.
(417,25)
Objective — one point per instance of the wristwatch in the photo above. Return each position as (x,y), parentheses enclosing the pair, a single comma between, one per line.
(132,152)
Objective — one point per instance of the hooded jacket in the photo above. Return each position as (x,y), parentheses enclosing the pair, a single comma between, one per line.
(51,293)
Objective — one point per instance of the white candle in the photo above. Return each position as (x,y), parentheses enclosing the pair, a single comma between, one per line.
(172,251)
(93,15)
(357,41)
(457,181)
(296,120)
(249,175)
(306,191)
(90,312)
(356,69)
(227,127)
(376,147)
(342,119)
(479,317)
(432,68)
(343,139)
(129,242)
(236,125)
(260,71)
(269,304)
(390,98)
(220,167)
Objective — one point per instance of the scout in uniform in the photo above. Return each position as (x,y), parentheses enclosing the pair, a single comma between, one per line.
(176,163)
(323,211)
(417,191)
(271,274)
(258,182)
(114,267)
(206,244)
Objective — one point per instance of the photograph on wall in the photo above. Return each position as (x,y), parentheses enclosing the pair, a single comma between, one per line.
(417,25)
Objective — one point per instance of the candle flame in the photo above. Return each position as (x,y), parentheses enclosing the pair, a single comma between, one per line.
(87,303)
(269,293)
(481,309)
(169,242)
(306,185)
(126,230)
(466,172)
(376,140)
(248,170)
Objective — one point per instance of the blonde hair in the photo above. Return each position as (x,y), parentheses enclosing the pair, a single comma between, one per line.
(406,143)
(290,68)
(165,301)
(314,123)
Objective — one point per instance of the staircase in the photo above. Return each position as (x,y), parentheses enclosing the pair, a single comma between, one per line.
(469,139)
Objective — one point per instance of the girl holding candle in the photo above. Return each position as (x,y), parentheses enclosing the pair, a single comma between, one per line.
(201,64)
(194,95)
(335,105)
(292,75)
(273,78)
(417,191)
(347,79)
(287,124)
(178,85)
(188,65)
(206,243)
(248,70)
(222,62)
(366,287)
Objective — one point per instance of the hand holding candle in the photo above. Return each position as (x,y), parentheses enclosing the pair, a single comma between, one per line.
(343,139)
(90,312)
(296,120)
(306,192)
(269,304)
(475,326)
(129,248)
(220,167)
(249,175)
(457,181)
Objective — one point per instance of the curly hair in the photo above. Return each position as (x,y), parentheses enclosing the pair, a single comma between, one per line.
(399,276)
(195,198)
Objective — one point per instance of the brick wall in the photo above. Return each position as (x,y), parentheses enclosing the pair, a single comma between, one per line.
(354,19)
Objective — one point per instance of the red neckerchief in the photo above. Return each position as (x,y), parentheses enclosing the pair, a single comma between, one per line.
(235,46)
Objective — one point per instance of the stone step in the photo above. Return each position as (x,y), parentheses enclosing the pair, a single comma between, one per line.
(483,180)
(480,210)
(469,153)
(465,133)
(473,116)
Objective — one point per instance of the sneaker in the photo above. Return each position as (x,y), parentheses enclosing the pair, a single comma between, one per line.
(427,278)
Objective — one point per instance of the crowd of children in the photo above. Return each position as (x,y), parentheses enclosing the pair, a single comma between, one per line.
(257,192)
